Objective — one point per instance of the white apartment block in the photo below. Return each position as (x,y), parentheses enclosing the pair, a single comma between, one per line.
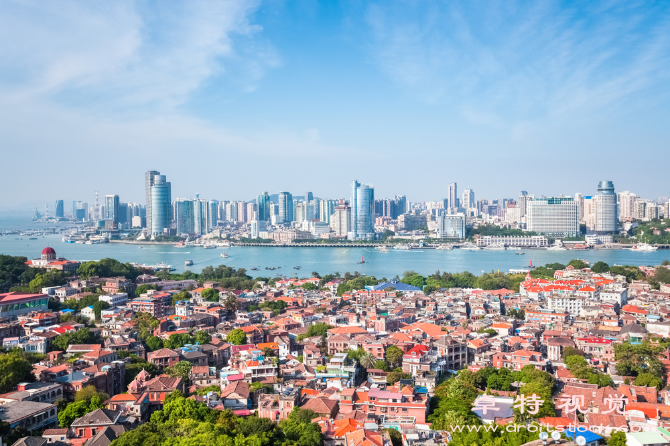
(553,216)
(115,300)
(569,304)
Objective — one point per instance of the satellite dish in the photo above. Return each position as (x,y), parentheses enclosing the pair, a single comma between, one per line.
(556,435)
(544,436)
(581,441)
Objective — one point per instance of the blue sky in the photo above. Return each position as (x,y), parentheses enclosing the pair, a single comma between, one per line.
(231,98)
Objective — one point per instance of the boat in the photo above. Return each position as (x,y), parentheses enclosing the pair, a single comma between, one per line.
(188,262)
(557,246)
(209,246)
(163,265)
(180,245)
(470,247)
(444,247)
(520,253)
(643,247)
(495,247)
(383,248)
(362,261)
(531,265)
(224,255)
(141,247)
(403,247)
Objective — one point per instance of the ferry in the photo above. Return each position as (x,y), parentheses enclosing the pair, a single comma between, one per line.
(224,255)
(188,262)
(496,247)
(445,247)
(209,246)
(557,246)
(383,248)
(470,247)
(403,247)
(643,247)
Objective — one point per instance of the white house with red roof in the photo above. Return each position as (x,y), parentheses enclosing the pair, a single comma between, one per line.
(49,261)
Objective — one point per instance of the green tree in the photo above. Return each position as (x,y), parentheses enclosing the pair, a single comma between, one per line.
(210,294)
(202,337)
(309,286)
(82,336)
(14,368)
(98,307)
(182,369)
(396,376)
(600,267)
(88,392)
(617,438)
(571,351)
(382,365)
(237,337)
(578,264)
(144,288)
(394,356)
(154,343)
(318,329)
(230,303)
(177,297)
(648,380)
(367,359)
(178,340)
(78,410)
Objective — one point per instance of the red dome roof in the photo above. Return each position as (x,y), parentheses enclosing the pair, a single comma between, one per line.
(48,250)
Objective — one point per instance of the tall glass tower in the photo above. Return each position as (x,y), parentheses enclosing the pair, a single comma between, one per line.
(285,208)
(606,208)
(184,216)
(362,211)
(60,210)
(264,206)
(148,182)
(112,208)
(161,205)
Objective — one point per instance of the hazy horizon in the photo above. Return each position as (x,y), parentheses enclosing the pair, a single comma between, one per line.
(228,99)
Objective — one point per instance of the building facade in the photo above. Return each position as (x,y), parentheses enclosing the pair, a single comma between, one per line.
(554,216)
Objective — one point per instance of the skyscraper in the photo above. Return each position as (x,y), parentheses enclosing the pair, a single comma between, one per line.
(161,204)
(340,220)
(308,197)
(263,206)
(523,200)
(606,208)
(148,182)
(60,209)
(626,205)
(326,209)
(452,196)
(112,208)
(212,214)
(285,208)
(200,210)
(184,216)
(553,216)
(362,211)
(468,199)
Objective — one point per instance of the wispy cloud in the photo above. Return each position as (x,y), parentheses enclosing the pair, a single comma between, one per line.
(511,63)
(127,54)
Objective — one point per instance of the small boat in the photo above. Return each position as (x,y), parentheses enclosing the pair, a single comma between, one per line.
(495,247)
(209,246)
(383,248)
(141,247)
(188,262)
(254,269)
(557,246)
(445,247)
(520,253)
(362,261)
(180,245)
(224,255)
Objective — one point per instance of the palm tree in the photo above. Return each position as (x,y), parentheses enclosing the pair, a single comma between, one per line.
(368,360)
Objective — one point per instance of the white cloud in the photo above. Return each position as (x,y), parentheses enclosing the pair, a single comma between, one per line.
(126,55)
(520,62)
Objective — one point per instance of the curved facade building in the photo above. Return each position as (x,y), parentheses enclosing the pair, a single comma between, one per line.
(362,211)
(161,202)
(606,208)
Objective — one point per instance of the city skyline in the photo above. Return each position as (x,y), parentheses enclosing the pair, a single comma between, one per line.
(480,91)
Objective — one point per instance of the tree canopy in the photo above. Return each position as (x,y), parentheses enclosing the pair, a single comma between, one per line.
(237,337)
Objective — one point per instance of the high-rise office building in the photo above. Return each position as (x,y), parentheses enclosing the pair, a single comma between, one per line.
(200,211)
(523,200)
(626,204)
(452,196)
(242,211)
(450,225)
(285,206)
(184,216)
(161,204)
(326,210)
(362,211)
(579,198)
(212,214)
(308,197)
(148,182)
(606,208)
(112,209)
(263,202)
(60,209)
(252,212)
(468,199)
(340,221)
(555,217)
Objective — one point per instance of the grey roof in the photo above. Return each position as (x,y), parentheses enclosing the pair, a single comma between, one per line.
(503,409)
(632,328)
(97,417)
(106,435)
(17,410)
(30,441)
